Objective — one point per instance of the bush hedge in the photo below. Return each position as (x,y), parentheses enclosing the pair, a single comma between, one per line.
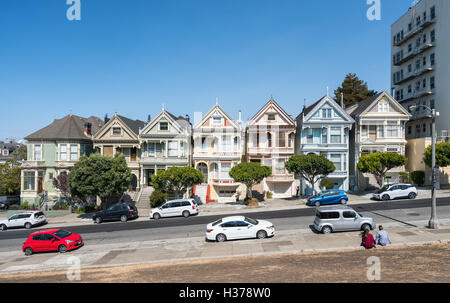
(418,177)
(157,198)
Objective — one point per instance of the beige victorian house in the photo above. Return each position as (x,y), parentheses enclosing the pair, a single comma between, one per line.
(218,146)
(380,127)
(121,135)
(270,141)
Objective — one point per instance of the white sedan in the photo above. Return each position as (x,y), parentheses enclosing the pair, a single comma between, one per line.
(239,227)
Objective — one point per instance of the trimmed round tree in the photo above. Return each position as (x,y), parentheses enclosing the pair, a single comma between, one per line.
(177,179)
(442,155)
(250,173)
(102,176)
(378,164)
(311,167)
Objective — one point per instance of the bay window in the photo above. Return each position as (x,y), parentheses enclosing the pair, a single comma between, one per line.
(63,153)
(224,174)
(337,161)
(335,135)
(173,149)
(29,180)
(73,152)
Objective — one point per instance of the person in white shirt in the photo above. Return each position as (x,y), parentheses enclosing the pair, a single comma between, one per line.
(382,237)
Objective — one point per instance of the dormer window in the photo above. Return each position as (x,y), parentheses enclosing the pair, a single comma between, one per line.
(326,113)
(116,131)
(164,126)
(217,120)
(383,107)
(271,117)
(5,152)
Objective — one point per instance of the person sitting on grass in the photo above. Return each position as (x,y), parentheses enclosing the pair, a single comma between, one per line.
(382,237)
(368,241)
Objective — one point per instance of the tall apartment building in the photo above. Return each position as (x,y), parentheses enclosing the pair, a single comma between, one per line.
(421,65)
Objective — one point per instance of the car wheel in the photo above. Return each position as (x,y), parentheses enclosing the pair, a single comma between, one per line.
(186,214)
(326,230)
(318,204)
(343,201)
(28,225)
(3,227)
(123,218)
(412,196)
(98,220)
(385,198)
(261,234)
(221,238)
(28,251)
(156,216)
(366,227)
(62,249)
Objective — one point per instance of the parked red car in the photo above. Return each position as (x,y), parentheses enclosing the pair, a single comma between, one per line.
(52,240)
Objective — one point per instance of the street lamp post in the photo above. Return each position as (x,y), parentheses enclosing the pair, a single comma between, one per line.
(433,223)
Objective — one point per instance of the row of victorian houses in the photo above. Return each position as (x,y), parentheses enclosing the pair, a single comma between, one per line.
(217,142)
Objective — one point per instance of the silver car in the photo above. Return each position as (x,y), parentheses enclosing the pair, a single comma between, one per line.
(341,218)
(175,208)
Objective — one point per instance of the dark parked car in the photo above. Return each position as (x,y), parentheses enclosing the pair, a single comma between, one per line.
(7,201)
(122,212)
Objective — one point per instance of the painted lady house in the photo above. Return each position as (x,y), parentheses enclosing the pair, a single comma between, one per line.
(166,141)
(218,146)
(324,129)
(380,127)
(270,141)
(52,150)
(121,135)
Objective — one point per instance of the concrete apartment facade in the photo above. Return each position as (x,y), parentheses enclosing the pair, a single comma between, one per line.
(421,74)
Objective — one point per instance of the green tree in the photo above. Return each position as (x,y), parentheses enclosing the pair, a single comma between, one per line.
(442,155)
(102,176)
(354,89)
(378,164)
(311,167)
(61,182)
(10,178)
(250,173)
(177,179)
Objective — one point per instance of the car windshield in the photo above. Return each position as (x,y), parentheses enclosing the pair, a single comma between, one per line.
(383,189)
(62,234)
(251,221)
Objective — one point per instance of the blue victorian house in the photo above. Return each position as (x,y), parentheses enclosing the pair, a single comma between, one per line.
(323,129)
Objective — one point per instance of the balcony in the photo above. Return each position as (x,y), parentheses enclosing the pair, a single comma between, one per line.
(416,29)
(418,115)
(218,181)
(280,178)
(270,150)
(423,92)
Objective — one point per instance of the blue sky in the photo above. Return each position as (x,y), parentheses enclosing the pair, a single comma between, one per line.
(131,56)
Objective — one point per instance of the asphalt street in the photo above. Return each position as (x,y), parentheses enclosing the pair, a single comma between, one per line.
(401,212)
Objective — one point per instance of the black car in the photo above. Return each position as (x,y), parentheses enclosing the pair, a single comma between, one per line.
(122,212)
(7,201)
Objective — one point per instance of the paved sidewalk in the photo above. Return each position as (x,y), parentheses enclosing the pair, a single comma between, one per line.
(196,248)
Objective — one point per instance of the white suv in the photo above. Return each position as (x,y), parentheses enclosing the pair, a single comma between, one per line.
(25,219)
(395,191)
(175,208)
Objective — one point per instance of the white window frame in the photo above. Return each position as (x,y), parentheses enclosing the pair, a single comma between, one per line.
(40,152)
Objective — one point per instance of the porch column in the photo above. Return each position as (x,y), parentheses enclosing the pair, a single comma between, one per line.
(36,181)
(142,177)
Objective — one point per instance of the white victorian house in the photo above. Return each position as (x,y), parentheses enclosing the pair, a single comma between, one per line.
(218,146)
(323,128)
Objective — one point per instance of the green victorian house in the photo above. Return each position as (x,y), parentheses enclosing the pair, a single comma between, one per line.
(52,150)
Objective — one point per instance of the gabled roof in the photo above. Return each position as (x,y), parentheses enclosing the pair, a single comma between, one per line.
(134,125)
(277,106)
(180,122)
(364,105)
(220,109)
(70,127)
(327,98)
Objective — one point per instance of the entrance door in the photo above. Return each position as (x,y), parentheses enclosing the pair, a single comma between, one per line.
(150,173)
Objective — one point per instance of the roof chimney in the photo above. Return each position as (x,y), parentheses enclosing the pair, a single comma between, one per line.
(149,118)
(88,129)
(106,118)
(342,101)
(188,119)
(240,115)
